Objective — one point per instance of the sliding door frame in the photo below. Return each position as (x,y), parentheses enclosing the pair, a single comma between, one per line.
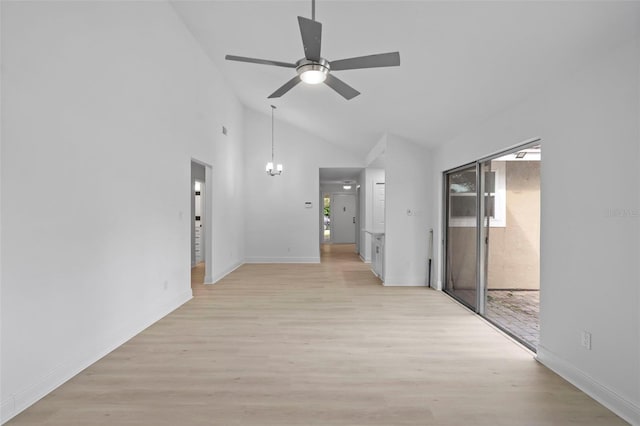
(482,234)
(483,237)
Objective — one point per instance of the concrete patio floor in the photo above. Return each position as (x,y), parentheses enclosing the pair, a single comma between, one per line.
(516,311)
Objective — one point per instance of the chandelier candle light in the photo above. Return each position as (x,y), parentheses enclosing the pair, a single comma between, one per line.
(270,170)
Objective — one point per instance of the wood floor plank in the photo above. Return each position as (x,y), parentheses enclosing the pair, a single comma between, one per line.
(319,344)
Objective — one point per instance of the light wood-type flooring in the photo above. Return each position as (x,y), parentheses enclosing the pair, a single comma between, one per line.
(317,344)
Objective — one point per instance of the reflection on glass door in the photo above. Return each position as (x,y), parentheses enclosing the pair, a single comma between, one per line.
(462,235)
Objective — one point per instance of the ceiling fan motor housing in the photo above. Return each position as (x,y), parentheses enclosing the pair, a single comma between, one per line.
(319,69)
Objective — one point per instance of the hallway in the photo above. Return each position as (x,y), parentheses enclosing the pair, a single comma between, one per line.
(317,344)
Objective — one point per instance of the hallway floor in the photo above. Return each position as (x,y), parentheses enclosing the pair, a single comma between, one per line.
(317,344)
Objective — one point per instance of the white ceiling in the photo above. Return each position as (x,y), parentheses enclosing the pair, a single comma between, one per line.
(461,62)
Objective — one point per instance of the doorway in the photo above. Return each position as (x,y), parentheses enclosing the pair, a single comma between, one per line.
(492,239)
(339,206)
(200,223)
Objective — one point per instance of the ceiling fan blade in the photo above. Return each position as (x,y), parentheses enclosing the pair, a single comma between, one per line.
(285,87)
(341,87)
(371,61)
(311,32)
(259,61)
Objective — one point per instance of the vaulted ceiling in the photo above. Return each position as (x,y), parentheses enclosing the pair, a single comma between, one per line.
(461,62)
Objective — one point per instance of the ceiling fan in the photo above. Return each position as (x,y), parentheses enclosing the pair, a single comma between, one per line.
(314,69)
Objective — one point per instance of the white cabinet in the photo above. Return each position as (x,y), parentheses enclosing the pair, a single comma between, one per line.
(377,255)
(198,240)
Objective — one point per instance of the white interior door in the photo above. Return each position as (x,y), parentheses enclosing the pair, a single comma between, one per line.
(343,218)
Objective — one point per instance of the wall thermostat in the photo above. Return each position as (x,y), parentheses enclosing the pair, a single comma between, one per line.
(308,204)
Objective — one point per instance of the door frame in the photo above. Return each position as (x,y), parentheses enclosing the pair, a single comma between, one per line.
(207,225)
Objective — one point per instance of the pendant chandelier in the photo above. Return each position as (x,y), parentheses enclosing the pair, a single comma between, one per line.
(278,169)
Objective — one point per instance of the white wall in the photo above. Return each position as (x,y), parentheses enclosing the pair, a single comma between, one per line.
(407,212)
(95,238)
(225,185)
(589,257)
(278,226)
(375,157)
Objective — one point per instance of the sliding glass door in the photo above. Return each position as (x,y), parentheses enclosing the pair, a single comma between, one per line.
(492,236)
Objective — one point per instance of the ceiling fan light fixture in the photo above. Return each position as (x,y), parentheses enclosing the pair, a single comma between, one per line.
(313,72)
(313,76)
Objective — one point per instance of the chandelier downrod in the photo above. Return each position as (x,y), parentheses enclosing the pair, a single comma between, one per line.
(272,168)
(272,142)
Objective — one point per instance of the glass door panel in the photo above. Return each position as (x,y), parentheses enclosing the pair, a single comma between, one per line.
(462,235)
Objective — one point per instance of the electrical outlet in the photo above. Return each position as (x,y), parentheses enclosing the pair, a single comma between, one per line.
(586,340)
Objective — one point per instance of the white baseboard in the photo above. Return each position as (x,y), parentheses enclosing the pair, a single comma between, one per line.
(282,260)
(621,406)
(217,277)
(7,409)
(405,281)
(365,260)
(14,404)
